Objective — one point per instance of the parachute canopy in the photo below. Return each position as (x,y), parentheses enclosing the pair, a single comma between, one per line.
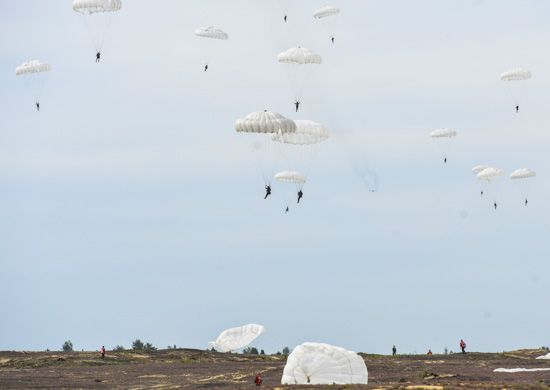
(489,173)
(237,338)
(211,32)
(290,177)
(516,74)
(32,66)
(265,122)
(443,133)
(299,56)
(327,10)
(307,133)
(93,6)
(522,173)
(479,168)
(324,364)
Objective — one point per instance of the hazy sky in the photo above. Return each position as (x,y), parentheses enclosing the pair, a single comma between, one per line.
(130,208)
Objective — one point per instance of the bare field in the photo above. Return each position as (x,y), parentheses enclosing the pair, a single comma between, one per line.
(195,369)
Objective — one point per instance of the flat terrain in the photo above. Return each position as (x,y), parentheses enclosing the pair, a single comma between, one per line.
(186,368)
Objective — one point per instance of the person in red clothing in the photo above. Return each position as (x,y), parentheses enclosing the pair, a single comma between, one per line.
(462,346)
(430,353)
(102,350)
(258,381)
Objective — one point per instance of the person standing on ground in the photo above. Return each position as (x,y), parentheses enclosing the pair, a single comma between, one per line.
(394,351)
(102,350)
(258,380)
(462,346)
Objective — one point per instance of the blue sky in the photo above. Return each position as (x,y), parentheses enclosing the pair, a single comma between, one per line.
(129,207)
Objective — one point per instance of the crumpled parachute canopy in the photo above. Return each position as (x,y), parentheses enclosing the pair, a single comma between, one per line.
(324,364)
(443,133)
(265,122)
(211,32)
(307,133)
(92,6)
(522,173)
(479,168)
(327,10)
(237,338)
(32,66)
(299,56)
(290,177)
(515,75)
(489,173)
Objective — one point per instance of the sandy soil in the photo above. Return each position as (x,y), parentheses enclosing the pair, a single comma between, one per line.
(194,369)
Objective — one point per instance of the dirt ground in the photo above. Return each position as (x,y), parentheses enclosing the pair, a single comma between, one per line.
(194,369)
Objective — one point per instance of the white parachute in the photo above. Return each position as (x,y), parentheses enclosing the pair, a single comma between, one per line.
(292,177)
(443,137)
(477,169)
(97,17)
(258,127)
(326,11)
(515,80)
(237,338)
(263,122)
(324,364)
(299,63)
(491,176)
(328,16)
(520,176)
(307,132)
(34,72)
(212,37)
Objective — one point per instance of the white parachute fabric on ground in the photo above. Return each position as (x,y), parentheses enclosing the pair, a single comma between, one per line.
(290,177)
(522,173)
(97,17)
(516,74)
(211,32)
(544,357)
(514,370)
(263,122)
(307,132)
(443,133)
(326,11)
(324,364)
(236,338)
(32,66)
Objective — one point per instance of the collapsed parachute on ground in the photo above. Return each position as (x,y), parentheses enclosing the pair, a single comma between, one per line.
(292,177)
(236,338)
(263,122)
(324,364)
(211,32)
(96,14)
(326,11)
